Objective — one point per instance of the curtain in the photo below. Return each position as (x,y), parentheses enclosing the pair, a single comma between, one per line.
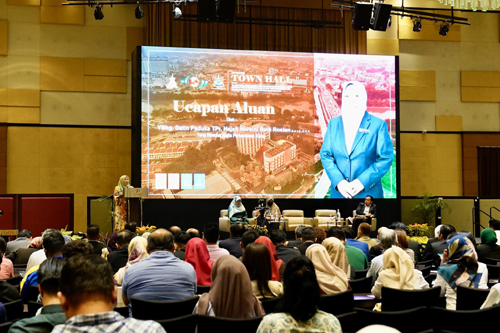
(488,163)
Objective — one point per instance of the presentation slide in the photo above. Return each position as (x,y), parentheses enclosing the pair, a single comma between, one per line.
(295,125)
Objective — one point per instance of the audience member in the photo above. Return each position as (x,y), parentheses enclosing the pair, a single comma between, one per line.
(52,242)
(180,242)
(146,235)
(211,236)
(73,248)
(231,293)
(299,306)
(460,267)
(277,265)
(320,234)
(364,235)
(495,226)
(93,237)
(433,251)
(51,313)
(331,278)
(175,230)
(493,297)
(6,267)
(356,257)
(197,255)
(193,232)
(488,247)
(399,272)
(350,241)
(21,242)
(232,244)
(338,255)
(137,250)
(8,292)
(285,253)
(387,238)
(308,238)
(402,242)
(119,258)
(257,261)
(236,211)
(130,226)
(298,236)
(248,237)
(161,276)
(87,294)
(21,256)
(412,245)
(39,256)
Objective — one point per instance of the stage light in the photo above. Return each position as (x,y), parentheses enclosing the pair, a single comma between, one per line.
(443,30)
(138,12)
(417,24)
(98,15)
(389,22)
(177,12)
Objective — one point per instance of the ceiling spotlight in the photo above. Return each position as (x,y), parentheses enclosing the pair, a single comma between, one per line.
(138,12)
(98,15)
(177,12)
(443,30)
(417,24)
(389,22)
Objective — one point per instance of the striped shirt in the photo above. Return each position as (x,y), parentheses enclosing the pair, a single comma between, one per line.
(160,277)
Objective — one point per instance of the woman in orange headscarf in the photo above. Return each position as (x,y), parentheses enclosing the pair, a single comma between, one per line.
(197,255)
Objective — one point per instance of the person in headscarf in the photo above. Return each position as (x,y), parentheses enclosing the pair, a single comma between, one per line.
(231,293)
(331,278)
(237,212)
(399,273)
(120,202)
(337,253)
(277,265)
(197,255)
(273,209)
(460,268)
(488,247)
(137,250)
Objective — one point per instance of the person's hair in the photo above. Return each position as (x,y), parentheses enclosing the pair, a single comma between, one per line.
(446,230)
(3,246)
(468,234)
(237,229)
(93,231)
(277,236)
(336,232)
(369,196)
(124,237)
(249,237)
(308,234)
(301,289)
(349,233)
(402,239)
(182,238)
(160,242)
(73,248)
(211,232)
(24,233)
(257,260)
(494,224)
(49,274)
(397,225)
(193,232)
(387,238)
(86,276)
(365,228)
(298,230)
(52,241)
(320,234)
(131,226)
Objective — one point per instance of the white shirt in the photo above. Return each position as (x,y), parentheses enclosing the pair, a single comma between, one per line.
(375,267)
(493,297)
(367,210)
(36,258)
(215,251)
(498,236)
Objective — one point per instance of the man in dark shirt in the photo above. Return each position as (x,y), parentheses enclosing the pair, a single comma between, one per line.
(232,244)
(434,251)
(93,237)
(298,236)
(285,253)
(308,239)
(130,226)
(119,258)
(180,241)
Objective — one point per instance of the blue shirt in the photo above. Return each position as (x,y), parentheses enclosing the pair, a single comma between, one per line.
(360,245)
(160,277)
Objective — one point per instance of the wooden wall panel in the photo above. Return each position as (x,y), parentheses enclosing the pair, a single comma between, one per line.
(4,34)
(20,97)
(24,2)
(61,74)
(417,85)
(74,15)
(111,84)
(105,67)
(135,37)
(480,86)
(383,46)
(449,123)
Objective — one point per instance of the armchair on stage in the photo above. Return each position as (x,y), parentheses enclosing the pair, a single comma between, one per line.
(225,223)
(294,218)
(326,218)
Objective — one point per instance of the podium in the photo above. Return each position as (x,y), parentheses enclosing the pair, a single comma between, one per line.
(135,196)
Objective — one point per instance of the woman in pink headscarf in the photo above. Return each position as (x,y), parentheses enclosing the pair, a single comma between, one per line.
(197,255)
(277,265)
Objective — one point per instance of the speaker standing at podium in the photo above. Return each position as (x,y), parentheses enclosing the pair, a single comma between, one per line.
(120,202)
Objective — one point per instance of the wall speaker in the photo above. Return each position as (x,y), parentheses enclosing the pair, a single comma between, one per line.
(227,11)
(381,15)
(362,15)
(207,11)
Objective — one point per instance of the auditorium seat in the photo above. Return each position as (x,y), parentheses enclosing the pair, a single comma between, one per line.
(15,281)
(154,310)
(397,300)
(4,327)
(184,324)
(14,310)
(363,285)
(202,289)
(471,298)
(408,321)
(34,306)
(224,223)
(269,304)
(491,261)
(358,274)
(425,270)
(337,303)
(464,321)
(207,324)
(493,275)
(294,218)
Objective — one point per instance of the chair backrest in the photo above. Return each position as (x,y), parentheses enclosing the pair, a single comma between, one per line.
(154,310)
(470,298)
(293,213)
(207,324)
(14,310)
(403,321)
(360,274)
(363,285)
(349,321)
(463,321)
(14,280)
(184,324)
(337,303)
(224,213)
(255,212)
(425,270)
(491,261)
(4,327)
(34,306)
(493,274)
(397,300)
(269,304)
(325,212)
(33,293)
(202,289)
(422,264)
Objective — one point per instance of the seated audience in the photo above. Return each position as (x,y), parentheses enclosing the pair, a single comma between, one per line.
(232,244)
(130,226)
(299,306)
(93,237)
(298,236)
(73,248)
(493,297)
(161,276)
(87,294)
(21,256)
(137,250)
(495,226)
(402,242)
(231,293)
(399,273)
(337,253)
(39,256)
(248,237)
(412,245)
(8,292)
(387,238)
(180,243)
(350,241)
(460,267)
(21,242)
(51,313)
(6,267)
(211,236)
(193,232)
(364,235)
(197,255)
(285,253)
(119,258)
(488,247)
(357,259)
(257,261)
(331,278)
(277,265)
(320,234)
(237,212)
(433,251)
(175,230)
(308,238)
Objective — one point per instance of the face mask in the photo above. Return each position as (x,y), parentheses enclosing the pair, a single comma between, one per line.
(270,203)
